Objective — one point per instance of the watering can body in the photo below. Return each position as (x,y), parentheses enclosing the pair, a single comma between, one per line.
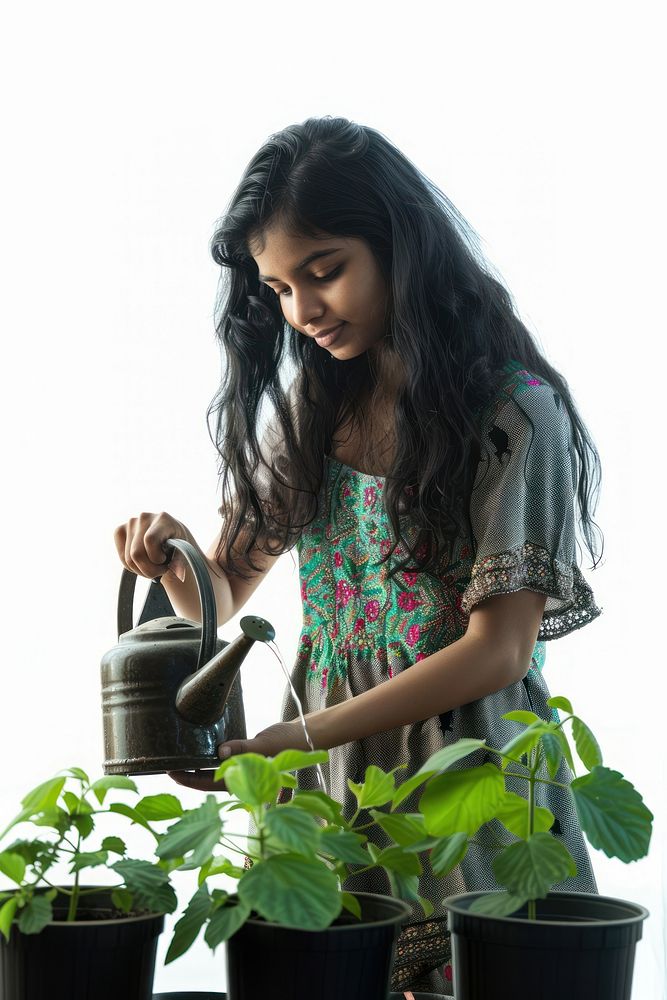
(171,689)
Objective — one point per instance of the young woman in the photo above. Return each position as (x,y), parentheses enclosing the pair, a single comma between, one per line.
(384,409)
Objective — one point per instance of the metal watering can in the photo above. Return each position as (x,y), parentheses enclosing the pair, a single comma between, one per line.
(171,690)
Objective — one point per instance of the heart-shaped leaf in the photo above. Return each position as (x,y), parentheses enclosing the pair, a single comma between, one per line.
(612,814)
(529,868)
(460,801)
(292,891)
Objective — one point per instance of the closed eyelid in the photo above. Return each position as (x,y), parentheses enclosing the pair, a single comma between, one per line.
(316,277)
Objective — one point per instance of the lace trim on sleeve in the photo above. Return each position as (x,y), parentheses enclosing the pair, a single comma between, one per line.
(531,567)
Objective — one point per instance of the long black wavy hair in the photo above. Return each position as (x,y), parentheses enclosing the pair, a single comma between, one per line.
(450,324)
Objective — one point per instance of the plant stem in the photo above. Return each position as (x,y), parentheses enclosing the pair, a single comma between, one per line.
(74,898)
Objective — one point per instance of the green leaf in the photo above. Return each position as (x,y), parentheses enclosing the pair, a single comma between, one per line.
(125,810)
(552,752)
(529,868)
(30,850)
(398,860)
(122,900)
(13,866)
(252,778)
(404,886)
(148,884)
(587,746)
(405,828)
(292,891)
(102,785)
(344,845)
(444,758)
(526,740)
(497,904)
(114,844)
(188,927)
(520,716)
(77,772)
(7,911)
(157,807)
(35,915)
(560,702)
(84,824)
(351,903)
(225,922)
(220,865)
(426,905)
(447,853)
(292,829)
(318,804)
(438,761)
(461,801)
(198,831)
(514,814)
(56,818)
(88,859)
(377,788)
(293,760)
(612,814)
(44,796)
(71,801)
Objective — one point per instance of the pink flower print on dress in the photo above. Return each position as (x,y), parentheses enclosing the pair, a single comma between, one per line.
(408,602)
(325,671)
(338,559)
(447,972)
(412,637)
(390,673)
(343,593)
(420,656)
(370,496)
(347,492)
(385,547)
(410,578)
(372,610)
(303,591)
(359,625)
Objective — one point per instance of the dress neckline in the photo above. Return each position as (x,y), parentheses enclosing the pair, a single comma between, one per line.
(357,472)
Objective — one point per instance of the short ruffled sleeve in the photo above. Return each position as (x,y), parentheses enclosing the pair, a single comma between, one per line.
(522,507)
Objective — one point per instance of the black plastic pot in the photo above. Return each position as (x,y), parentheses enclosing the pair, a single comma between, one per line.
(351,959)
(581,946)
(97,957)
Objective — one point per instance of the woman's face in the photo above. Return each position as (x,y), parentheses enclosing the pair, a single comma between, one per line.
(332,284)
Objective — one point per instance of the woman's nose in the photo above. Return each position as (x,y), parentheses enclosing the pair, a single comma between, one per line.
(307,308)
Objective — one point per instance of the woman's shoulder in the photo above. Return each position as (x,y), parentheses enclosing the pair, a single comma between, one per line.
(523,392)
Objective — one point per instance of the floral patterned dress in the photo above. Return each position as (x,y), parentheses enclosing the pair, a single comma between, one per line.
(361,628)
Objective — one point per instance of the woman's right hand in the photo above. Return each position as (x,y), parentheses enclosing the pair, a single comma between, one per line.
(140,544)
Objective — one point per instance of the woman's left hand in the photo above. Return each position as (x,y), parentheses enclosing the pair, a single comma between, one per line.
(268,743)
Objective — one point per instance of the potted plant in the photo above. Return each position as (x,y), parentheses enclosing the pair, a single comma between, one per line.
(524,941)
(291,928)
(81,940)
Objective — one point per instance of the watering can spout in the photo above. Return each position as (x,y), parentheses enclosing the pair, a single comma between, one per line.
(202,696)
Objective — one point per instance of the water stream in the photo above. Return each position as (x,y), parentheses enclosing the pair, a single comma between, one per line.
(297,701)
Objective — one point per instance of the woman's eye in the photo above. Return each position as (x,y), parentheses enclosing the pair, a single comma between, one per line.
(324,277)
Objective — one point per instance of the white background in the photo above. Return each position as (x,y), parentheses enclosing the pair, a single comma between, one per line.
(125,129)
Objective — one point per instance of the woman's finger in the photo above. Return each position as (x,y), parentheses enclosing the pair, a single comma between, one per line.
(203,780)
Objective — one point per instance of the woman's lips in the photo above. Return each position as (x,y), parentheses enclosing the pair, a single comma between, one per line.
(328,338)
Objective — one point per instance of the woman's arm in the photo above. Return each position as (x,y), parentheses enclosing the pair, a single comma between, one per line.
(494,652)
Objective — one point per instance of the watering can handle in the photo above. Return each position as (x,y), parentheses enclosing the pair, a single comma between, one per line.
(206,598)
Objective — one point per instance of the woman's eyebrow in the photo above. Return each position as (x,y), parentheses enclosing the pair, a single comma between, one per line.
(304,263)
